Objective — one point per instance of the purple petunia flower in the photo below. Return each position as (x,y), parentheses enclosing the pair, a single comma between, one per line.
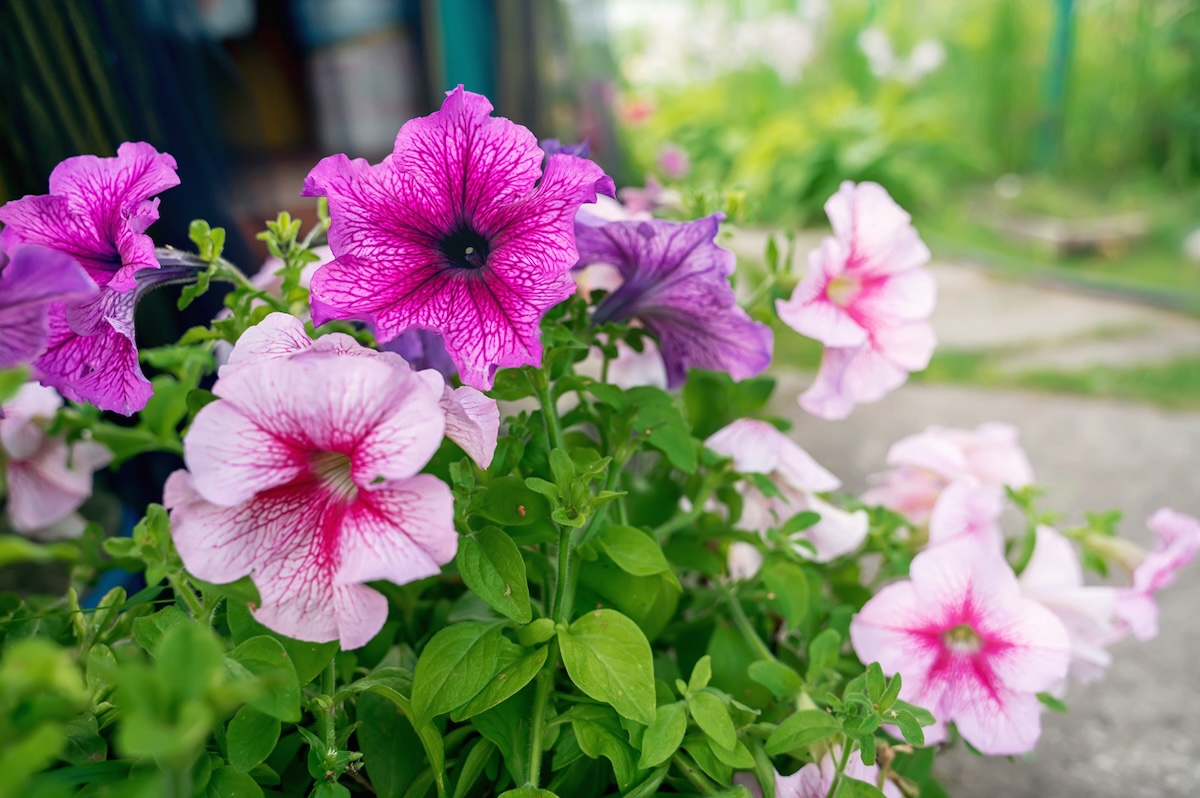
(97,212)
(423,350)
(454,233)
(31,280)
(91,354)
(675,281)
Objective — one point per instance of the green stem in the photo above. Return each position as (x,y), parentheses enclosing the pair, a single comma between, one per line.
(185,592)
(541,387)
(232,274)
(558,610)
(693,774)
(663,531)
(745,627)
(541,698)
(841,768)
(325,715)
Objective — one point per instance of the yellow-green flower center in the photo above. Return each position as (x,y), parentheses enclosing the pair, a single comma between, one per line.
(333,469)
(962,638)
(843,289)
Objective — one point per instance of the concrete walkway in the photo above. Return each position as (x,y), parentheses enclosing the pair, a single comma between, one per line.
(1137,733)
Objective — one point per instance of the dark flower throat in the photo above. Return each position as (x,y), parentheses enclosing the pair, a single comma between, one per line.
(465,249)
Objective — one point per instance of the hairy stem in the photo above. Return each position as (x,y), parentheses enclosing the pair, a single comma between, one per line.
(693,774)
(545,683)
(325,715)
(185,592)
(745,627)
(841,769)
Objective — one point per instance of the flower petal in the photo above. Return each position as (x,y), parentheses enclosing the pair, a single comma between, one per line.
(473,422)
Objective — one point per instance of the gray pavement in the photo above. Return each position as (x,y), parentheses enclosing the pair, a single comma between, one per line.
(1137,732)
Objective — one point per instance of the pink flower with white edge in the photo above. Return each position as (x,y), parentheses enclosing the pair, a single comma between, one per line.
(304,475)
(867,299)
(927,462)
(1054,578)
(48,479)
(472,419)
(1178,541)
(759,448)
(969,647)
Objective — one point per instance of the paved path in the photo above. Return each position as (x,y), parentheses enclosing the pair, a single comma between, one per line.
(1137,733)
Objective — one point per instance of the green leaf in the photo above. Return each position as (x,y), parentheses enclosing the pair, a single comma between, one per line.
(664,735)
(454,667)
(83,742)
(1050,702)
(329,789)
(738,757)
(431,738)
(876,683)
(599,734)
(890,694)
(910,729)
(507,726)
(609,659)
(389,745)
(149,629)
(528,792)
(633,551)
(822,653)
(509,502)
(712,717)
(473,765)
(701,750)
(790,588)
(11,381)
(701,674)
(266,658)
(250,738)
(309,659)
(802,729)
(190,654)
(781,680)
(649,787)
(799,522)
(508,681)
(492,566)
(853,788)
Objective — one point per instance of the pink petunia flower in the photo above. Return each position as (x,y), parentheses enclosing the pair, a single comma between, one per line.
(815,779)
(91,351)
(927,462)
(1178,541)
(968,510)
(969,647)
(866,297)
(304,476)
(31,280)
(455,233)
(759,448)
(675,281)
(47,478)
(97,212)
(1053,577)
(472,419)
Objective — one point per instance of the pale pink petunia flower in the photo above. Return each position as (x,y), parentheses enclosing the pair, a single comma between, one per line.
(47,478)
(815,779)
(631,368)
(743,560)
(927,462)
(304,475)
(867,298)
(970,648)
(968,510)
(1178,542)
(759,448)
(472,419)
(1053,577)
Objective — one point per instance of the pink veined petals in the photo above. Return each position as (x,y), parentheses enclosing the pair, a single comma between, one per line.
(1178,542)
(866,297)
(472,420)
(969,647)
(32,279)
(304,476)
(97,212)
(47,479)
(459,231)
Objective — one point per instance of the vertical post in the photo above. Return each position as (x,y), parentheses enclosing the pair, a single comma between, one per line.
(1049,135)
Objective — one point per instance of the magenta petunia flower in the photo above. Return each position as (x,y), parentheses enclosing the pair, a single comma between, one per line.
(304,476)
(969,647)
(47,478)
(472,419)
(1178,541)
(759,448)
(31,280)
(91,351)
(455,233)
(97,212)
(675,281)
(866,297)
